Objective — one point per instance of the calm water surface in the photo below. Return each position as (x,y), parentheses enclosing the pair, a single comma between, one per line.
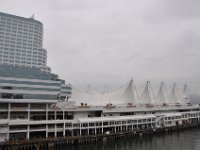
(182,140)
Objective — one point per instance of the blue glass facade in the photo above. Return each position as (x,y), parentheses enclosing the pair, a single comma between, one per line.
(19,82)
(29,82)
(28,96)
(25,72)
(29,88)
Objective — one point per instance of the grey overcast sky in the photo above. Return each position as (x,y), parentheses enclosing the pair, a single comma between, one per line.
(106,42)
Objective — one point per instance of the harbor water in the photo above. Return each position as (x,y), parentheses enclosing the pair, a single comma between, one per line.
(179,140)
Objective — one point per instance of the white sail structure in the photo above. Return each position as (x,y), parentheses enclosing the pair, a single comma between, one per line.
(162,96)
(91,90)
(123,95)
(186,94)
(175,96)
(128,94)
(79,96)
(147,96)
(136,95)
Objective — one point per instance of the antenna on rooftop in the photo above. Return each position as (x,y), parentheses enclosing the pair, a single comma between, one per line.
(33,16)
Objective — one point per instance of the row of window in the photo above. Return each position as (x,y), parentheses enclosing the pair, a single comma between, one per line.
(35,51)
(29,82)
(19,46)
(21,39)
(28,96)
(106,123)
(30,61)
(14,44)
(12,62)
(5,51)
(20,23)
(20,31)
(18,60)
(24,56)
(28,88)
(173,118)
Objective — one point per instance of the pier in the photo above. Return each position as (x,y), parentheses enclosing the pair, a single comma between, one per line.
(45,143)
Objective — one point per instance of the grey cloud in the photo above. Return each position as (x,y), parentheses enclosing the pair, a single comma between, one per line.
(106,42)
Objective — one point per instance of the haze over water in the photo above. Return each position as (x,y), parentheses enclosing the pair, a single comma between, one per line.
(182,140)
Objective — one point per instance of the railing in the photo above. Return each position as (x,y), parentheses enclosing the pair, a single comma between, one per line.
(16,129)
(18,109)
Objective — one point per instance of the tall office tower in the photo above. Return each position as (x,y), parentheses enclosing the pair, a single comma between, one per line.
(24,75)
(21,42)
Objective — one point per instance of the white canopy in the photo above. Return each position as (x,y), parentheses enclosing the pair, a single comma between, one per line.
(123,95)
(128,94)
(186,94)
(162,96)
(147,96)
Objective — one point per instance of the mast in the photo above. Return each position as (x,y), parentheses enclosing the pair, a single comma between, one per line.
(175,97)
(128,94)
(136,94)
(147,95)
(162,97)
(186,94)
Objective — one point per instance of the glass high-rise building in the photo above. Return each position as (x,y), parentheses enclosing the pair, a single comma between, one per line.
(24,75)
(21,42)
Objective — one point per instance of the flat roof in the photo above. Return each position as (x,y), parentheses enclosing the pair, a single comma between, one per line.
(125,109)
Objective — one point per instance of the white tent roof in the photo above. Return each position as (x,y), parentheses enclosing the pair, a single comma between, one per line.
(186,94)
(123,95)
(162,96)
(128,94)
(175,96)
(147,96)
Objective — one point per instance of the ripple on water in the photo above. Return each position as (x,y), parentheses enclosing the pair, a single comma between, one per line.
(182,140)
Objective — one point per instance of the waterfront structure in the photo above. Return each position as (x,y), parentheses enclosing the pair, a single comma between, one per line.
(35,103)
(129,94)
(21,42)
(64,119)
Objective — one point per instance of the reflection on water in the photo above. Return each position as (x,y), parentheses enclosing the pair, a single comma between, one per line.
(182,140)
